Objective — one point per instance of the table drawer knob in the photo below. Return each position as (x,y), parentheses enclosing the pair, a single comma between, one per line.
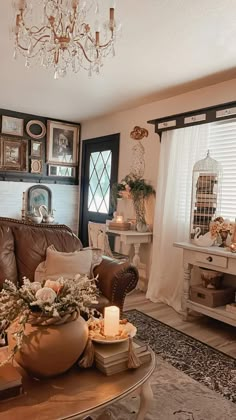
(209,259)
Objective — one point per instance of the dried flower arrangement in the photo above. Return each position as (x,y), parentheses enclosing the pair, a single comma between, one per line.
(52,302)
(219,225)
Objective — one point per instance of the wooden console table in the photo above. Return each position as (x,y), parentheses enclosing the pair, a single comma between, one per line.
(78,393)
(214,258)
(135,239)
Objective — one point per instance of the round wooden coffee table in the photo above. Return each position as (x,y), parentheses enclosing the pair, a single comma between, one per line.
(78,393)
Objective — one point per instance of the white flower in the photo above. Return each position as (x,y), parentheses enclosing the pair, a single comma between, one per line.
(46,294)
(35,286)
(54,285)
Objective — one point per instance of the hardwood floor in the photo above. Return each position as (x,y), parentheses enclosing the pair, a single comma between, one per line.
(212,332)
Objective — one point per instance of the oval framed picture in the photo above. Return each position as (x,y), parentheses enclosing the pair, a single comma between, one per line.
(36,166)
(36,129)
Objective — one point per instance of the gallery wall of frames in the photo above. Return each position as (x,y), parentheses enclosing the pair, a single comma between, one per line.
(38,149)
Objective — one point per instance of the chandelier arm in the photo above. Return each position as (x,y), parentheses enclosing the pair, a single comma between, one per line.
(72,20)
(38,40)
(107,43)
(38,29)
(84,52)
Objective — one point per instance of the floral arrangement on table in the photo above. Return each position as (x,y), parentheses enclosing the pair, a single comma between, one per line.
(50,303)
(221,227)
(135,188)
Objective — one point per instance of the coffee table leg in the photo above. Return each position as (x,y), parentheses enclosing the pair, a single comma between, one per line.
(146,398)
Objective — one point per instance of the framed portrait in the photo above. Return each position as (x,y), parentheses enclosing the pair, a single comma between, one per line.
(14,154)
(66,171)
(36,149)
(38,196)
(12,125)
(62,143)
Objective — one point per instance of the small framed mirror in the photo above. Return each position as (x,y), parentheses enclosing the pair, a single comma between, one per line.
(38,196)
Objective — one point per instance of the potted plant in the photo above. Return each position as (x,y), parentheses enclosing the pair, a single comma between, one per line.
(138,190)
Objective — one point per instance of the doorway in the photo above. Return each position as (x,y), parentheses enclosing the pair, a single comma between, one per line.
(100,160)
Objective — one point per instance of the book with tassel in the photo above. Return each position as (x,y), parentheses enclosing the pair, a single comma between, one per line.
(115,358)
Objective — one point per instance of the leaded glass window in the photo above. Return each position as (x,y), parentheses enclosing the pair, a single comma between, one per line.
(99,181)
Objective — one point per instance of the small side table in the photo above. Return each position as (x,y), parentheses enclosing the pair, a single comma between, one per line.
(135,239)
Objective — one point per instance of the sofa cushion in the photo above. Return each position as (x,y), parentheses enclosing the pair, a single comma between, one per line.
(67,264)
(31,243)
(8,268)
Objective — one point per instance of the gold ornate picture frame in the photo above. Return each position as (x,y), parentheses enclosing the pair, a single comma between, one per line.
(14,154)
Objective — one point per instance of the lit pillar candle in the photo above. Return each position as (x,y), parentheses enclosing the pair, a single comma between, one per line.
(119,219)
(111,321)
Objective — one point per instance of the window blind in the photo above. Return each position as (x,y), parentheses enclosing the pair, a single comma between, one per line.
(222,145)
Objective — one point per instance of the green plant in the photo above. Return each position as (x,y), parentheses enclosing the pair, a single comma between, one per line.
(135,188)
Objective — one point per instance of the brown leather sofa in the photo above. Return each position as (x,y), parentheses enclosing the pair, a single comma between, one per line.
(23,247)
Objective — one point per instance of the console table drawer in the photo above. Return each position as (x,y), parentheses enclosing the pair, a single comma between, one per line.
(211,259)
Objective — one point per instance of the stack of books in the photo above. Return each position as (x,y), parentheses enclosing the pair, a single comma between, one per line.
(113,358)
(10,382)
(119,225)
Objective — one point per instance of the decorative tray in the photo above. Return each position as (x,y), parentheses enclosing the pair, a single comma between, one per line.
(96,332)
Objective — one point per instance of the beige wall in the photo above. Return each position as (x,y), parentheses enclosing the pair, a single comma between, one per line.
(123,123)
(65,198)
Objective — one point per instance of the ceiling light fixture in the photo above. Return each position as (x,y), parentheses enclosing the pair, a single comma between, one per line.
(56,33)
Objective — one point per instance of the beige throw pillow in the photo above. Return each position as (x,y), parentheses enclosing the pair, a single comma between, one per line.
(67,264)
(60,263)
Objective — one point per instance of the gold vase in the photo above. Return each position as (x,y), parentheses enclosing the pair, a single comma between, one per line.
(50,350)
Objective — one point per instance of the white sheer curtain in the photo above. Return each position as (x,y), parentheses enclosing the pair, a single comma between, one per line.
(180,149)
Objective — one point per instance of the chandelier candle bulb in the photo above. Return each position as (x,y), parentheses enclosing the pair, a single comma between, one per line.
(97,38)
(112,13)
(111,321)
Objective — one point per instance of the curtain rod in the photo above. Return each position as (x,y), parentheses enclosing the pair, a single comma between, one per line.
(195,117)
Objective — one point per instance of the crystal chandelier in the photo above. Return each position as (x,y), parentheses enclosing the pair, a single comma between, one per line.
(56,33)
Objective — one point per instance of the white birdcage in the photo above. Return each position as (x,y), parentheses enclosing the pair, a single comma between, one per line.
(206,194)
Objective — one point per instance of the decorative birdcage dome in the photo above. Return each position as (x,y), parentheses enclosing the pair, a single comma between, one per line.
(206,188)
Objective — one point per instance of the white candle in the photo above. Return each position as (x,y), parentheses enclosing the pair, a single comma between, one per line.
(111,321)
(119,219)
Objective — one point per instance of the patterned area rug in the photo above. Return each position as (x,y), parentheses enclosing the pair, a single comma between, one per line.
(192,381)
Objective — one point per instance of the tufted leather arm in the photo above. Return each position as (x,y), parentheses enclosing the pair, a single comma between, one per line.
(116,279)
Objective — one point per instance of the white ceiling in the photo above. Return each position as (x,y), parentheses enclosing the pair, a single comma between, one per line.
(167,47)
